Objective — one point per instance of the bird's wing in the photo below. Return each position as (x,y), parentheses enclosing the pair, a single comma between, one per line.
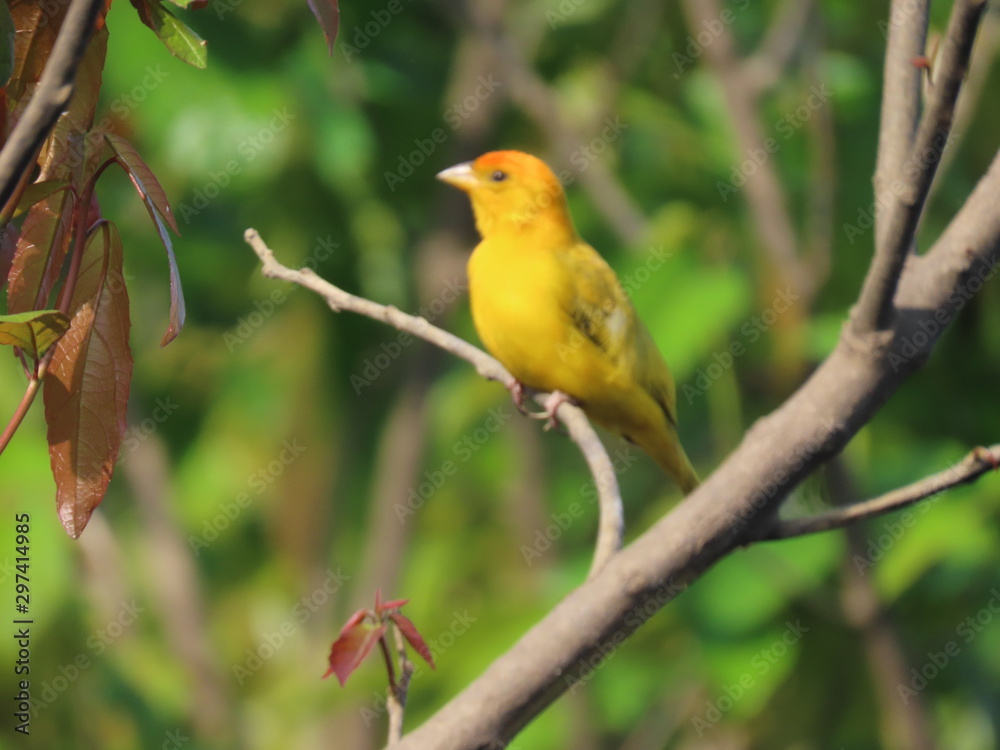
(600,310)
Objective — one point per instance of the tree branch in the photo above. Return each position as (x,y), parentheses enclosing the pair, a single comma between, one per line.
(742,495)
(911,180)
(55,88)
(610,524)
(973,466)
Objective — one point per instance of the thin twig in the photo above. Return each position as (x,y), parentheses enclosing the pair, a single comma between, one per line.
(912,179)
(610,523)
(396,703)
(970,468)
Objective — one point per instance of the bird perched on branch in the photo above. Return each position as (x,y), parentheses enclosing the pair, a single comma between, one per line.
(553,312)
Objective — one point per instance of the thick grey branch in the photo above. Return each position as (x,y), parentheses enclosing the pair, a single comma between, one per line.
(55,88)
(911,180)
(973,466)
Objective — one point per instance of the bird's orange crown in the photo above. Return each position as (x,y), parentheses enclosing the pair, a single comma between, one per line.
(511,191)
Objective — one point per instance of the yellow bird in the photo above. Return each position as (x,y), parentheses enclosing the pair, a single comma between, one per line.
(552,311)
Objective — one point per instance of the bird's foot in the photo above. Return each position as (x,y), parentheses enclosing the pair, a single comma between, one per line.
(517,390)
(552,403)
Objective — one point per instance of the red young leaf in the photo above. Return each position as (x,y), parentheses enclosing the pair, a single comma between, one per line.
(413,637)
(327,12)
(86,388)
(392,604)
(354,620)
(350,649)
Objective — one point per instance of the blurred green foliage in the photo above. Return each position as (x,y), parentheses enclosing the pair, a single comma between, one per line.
(284,460)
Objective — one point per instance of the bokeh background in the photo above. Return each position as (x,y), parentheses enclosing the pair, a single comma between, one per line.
(283,461)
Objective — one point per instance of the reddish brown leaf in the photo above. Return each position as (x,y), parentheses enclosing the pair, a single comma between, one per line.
(8,244)
(155,200)
(412,636)
(32,45)
(350,649)
(41,249)
(86,388)
(142,177)
(327,12)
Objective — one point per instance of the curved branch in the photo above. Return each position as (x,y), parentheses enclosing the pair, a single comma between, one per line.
(55,88)
(973,466)
(610,524)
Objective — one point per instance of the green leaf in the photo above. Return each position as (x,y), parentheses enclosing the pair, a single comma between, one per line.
(34,332)
(179,38)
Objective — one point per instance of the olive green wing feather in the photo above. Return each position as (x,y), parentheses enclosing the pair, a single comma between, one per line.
(601,312)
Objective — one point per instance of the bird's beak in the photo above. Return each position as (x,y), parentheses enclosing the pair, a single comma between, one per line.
(461,176)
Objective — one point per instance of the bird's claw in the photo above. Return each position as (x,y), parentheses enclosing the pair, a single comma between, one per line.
(552,403)
(517,395)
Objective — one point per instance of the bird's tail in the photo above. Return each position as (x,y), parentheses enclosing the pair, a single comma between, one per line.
(665,448)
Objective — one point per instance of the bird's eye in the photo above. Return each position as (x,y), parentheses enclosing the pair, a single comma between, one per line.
(499,176)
